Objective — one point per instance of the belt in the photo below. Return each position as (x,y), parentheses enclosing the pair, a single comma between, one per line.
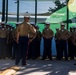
(30,38)
(23,36)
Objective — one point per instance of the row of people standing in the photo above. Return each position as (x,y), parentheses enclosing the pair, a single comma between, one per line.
(72,43)
(65,42)
(5,40)
(34,43)
(8,44)
(26,39)
(68,44)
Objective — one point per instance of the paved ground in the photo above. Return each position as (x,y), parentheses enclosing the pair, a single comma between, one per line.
(42,67)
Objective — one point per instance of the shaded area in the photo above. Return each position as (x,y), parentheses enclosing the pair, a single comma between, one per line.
(42,67)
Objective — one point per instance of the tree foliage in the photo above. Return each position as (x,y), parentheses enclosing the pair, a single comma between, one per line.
(58,5)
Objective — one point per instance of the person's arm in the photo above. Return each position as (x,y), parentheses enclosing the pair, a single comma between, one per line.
(32,29)
(67,35)
(52,34)
(7,35)
(17,37)
(17,34)
(59,35)
(43,34)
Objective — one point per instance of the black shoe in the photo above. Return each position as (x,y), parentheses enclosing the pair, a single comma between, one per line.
(58,58)
(71,58)
(16,63)
(50,58)
(24,64)
(13,58)
(66,59)
(33,58)
(74,63)
(28,58)
(43,59)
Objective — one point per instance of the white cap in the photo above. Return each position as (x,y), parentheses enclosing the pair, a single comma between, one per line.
(62,24)
(27,15)
(2,22)
(47,23)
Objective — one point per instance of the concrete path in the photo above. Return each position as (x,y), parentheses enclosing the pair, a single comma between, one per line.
(42,67)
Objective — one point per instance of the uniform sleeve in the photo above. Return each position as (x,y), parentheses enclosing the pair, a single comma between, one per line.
(43,33)
(7,35)
(52,32)
(58,35)
(32,29)
(69,34)
(18,29)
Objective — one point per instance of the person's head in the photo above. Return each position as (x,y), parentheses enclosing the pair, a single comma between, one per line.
(47,25)
(37,28)
(57,29)
(7,26)
(17,23)
(74,28)
(27,17)
(2,24)
(13,27)
(62,26)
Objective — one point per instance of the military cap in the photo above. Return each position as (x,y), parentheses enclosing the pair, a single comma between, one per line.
(12,26)
(47,23)
(27,14)
(37,27)
(62,24)
(2,22)
(17,23)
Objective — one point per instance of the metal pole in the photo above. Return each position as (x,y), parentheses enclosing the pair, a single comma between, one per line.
(3,10)
(67,15)
(6,11)
(17,10)
(35,11)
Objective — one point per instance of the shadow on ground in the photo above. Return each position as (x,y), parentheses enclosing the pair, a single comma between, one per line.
(42,67)
(47,67)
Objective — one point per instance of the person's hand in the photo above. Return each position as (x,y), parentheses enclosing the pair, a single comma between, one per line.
(46,37)
(30,40)
(17,41)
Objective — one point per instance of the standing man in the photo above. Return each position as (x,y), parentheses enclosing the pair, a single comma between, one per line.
(10,41)
(32,44)
(15,45)
(70,45)
(38,41)
(47,36)
(3,38)
(63,36)
(57,43)
(74,42)
(22,39)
